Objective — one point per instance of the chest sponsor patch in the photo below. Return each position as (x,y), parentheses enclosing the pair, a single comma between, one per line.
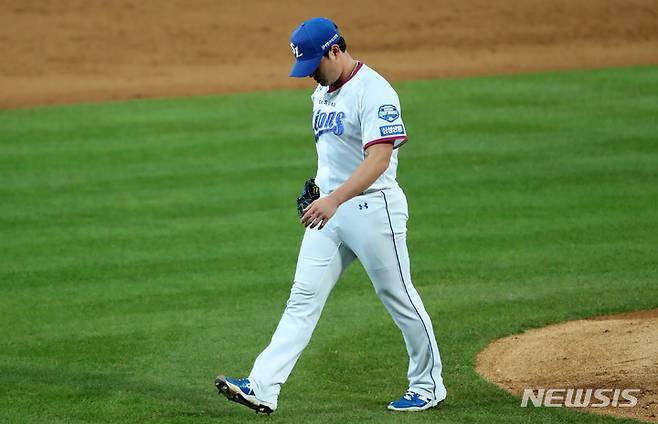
(391,130)
(388,113)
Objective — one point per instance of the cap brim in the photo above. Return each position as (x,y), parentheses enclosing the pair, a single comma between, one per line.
(304,68)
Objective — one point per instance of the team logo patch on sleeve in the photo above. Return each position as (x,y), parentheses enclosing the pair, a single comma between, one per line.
(391,130)
(388,113)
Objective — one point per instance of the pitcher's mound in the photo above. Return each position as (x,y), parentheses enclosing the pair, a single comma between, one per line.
(612,352)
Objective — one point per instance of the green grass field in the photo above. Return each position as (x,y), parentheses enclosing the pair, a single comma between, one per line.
(148,246)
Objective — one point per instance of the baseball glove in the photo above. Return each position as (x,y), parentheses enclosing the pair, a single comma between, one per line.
(310,193)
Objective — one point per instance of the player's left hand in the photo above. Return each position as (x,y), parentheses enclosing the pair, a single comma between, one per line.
(319,212)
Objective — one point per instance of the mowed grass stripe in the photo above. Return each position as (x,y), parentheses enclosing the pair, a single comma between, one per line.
(149,245)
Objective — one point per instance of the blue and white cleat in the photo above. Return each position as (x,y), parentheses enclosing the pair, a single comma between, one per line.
(412,401)
(239,390)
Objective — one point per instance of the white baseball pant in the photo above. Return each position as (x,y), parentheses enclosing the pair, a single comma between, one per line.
(371,227)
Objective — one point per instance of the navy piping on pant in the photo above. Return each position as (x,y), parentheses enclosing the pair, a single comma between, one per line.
(397,257)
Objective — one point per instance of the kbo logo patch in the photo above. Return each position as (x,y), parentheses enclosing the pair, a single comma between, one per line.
(388,113)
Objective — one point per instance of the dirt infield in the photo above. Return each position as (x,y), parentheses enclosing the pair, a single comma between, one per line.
(618,351)
(63,51)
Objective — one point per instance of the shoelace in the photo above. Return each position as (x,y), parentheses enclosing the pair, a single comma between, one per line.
(245,382)
(409,395)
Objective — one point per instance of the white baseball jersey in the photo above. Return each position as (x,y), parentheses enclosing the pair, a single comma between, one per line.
(347,119)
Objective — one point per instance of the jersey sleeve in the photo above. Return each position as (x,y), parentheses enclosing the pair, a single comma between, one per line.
(381,117)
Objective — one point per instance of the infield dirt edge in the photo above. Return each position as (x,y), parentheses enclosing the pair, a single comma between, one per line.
(613,351)
(68,52)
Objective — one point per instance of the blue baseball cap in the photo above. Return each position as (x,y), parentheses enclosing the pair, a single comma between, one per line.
(309,42)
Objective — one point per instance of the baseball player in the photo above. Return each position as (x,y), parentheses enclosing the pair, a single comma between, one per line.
(361,213)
